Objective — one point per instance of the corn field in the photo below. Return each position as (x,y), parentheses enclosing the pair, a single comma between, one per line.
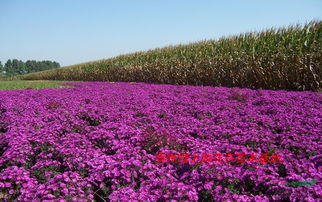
(285,58)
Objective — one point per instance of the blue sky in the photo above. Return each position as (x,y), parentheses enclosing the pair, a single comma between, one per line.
(76,31)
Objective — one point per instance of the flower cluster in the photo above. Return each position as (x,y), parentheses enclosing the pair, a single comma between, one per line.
(99,141)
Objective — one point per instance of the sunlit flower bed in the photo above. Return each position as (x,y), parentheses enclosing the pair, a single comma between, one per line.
(99,141)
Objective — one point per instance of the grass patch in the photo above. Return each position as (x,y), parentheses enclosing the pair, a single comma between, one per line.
(20,84)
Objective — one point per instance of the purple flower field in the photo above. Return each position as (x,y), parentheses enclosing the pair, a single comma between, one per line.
(99,140)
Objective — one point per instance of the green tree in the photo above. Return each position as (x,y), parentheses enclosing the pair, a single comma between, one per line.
(1,68)
(31,66)
(8,67)
(56,65)
(18,67)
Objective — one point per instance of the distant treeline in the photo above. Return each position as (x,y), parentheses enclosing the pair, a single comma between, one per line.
(17,67)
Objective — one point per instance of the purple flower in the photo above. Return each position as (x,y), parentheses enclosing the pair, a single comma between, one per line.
(102,139)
